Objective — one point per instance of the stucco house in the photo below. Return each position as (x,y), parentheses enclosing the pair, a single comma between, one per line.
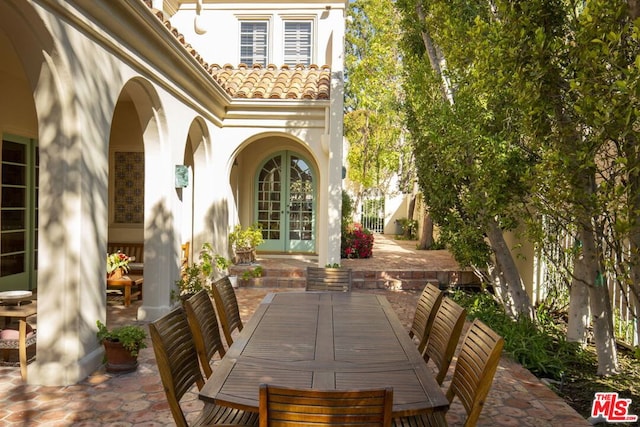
(103,101)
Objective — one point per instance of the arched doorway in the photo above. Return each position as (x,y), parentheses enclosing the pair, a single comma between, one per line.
(285,203)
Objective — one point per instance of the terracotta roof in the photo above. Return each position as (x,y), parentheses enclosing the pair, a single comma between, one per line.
(299,82)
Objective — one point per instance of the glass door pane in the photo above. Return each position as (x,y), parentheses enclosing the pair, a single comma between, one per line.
(269,200)
(300,205)
(13,225)
(18,213)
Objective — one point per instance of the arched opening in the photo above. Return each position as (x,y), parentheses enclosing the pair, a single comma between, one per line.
(275,182)
(19,165)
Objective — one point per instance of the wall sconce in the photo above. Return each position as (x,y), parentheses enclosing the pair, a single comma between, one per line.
(182,176)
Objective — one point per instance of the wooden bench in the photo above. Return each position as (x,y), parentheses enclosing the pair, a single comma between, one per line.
(134,250)
(329,279)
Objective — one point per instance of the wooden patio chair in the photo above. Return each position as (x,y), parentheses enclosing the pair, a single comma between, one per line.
(329,279)
(204,328)
(10,347)
(184,254)
(226,307)
(178,366)
(287,406)
(184,258)
(426,310)
(444,336)
(472,378)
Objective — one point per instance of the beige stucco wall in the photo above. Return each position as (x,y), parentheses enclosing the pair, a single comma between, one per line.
(220,43)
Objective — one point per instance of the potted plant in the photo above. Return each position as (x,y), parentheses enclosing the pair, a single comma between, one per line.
(192,280)
(121,346)
(252,275)
(244,242)
(222,265)
(117,264)
(197,276)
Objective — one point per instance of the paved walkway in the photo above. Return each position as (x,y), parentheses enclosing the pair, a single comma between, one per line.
(517,398)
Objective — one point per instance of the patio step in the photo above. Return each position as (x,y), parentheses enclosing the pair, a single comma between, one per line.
(274,276)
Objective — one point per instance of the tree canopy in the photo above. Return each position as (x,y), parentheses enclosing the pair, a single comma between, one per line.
(373,117)
(525,113)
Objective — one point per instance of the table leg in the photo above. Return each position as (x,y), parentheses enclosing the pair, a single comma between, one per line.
(127,294)
(22,348)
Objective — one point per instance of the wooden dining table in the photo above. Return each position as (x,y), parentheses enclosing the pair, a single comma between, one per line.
(325,340)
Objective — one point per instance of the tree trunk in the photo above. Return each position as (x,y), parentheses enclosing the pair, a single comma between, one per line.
(501,290)
(408,231)
(601,312)
(435,56)
(634,9)
(426,236)
(512,280)
(633,177)
(412,206)
(577,327)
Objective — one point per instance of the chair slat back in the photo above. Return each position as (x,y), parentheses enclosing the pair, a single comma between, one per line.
(281,406)
(475,368)
(444,336)
(329,279)
(184,256)
(176,358)
(226,307)
(205,329)
(426,310)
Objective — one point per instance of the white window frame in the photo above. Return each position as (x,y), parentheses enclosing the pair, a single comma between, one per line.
(294,59)
(254,56)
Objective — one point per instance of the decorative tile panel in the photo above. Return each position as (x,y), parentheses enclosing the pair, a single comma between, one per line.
(129,187)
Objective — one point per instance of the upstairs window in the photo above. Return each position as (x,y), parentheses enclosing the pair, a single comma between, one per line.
(297,43)
(253,43)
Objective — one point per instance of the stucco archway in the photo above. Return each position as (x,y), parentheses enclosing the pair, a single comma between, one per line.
(139,112)
(250,160)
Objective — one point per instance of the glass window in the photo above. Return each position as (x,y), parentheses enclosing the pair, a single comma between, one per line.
(297,43)
(253,43)
(19,163)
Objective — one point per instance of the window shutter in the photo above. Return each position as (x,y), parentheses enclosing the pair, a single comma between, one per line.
(297,43)
(253,43)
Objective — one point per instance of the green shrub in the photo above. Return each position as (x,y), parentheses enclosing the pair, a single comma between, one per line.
(539,346)
(409,227)
(347,209)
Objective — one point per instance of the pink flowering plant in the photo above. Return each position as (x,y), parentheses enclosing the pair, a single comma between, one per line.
(357,242)
(117,260)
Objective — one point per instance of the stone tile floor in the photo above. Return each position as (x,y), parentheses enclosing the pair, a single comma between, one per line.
(517,398)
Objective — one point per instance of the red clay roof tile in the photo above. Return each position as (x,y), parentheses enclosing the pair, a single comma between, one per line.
(300,83)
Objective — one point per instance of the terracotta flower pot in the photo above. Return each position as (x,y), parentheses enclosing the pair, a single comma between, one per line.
(115,274)
(244,256)
(119,359)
